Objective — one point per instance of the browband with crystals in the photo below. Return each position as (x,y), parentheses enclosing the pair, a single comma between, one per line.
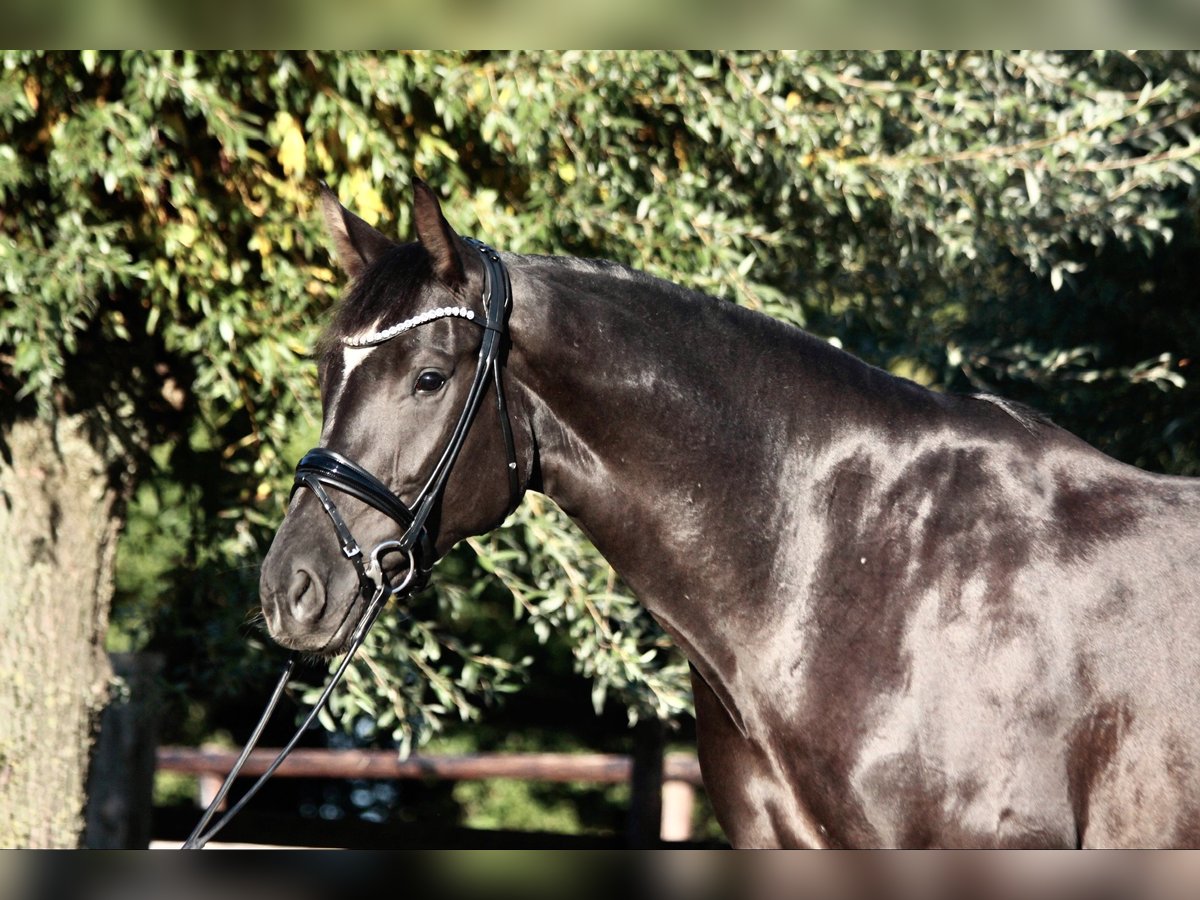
(379,337)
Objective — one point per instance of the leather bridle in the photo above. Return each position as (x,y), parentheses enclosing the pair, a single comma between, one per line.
(320,468)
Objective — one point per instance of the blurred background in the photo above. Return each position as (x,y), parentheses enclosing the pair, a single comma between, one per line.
(1020,223)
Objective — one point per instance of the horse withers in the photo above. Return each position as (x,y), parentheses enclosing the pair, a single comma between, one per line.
(913,619)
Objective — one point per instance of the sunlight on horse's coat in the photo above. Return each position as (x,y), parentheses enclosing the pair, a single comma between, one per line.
(352,358)
(914,619)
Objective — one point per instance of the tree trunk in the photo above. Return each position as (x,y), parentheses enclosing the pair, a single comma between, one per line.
(58,539)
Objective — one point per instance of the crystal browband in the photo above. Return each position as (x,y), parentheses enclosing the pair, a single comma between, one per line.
(379,337)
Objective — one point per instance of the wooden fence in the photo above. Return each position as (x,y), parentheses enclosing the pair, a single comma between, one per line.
(121,815)
(662,795)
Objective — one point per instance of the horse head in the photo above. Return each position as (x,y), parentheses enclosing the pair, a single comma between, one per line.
(401,372)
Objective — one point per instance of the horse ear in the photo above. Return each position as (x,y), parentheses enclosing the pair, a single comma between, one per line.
(436,235)
(355,243)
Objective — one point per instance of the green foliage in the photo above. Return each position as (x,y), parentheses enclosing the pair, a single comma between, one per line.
(530,806)
(416,670)
(1010,221)
(562,586)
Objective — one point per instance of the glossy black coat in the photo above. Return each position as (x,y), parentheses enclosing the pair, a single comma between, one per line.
(913,619)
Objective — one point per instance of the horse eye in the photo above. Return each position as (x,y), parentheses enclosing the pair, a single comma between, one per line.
(428,382)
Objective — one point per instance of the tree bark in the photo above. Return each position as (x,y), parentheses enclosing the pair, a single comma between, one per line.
(58,534)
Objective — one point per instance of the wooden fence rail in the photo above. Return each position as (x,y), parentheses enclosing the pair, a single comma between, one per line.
(680,773)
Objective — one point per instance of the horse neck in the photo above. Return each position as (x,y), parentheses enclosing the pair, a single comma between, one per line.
(673,428)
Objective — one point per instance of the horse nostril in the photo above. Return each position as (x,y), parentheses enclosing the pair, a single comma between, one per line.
(306,596)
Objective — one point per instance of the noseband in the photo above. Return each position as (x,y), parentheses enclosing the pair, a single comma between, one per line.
(320,468)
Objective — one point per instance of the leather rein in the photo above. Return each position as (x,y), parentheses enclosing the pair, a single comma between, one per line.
(320,468)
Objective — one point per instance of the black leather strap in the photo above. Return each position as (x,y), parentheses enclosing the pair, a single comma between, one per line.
(497,273)
(321,466)
(351,478)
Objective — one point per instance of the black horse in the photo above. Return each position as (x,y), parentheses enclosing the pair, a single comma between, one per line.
(913,619)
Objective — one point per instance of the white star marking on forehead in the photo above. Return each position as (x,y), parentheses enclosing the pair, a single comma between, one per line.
(358,347)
